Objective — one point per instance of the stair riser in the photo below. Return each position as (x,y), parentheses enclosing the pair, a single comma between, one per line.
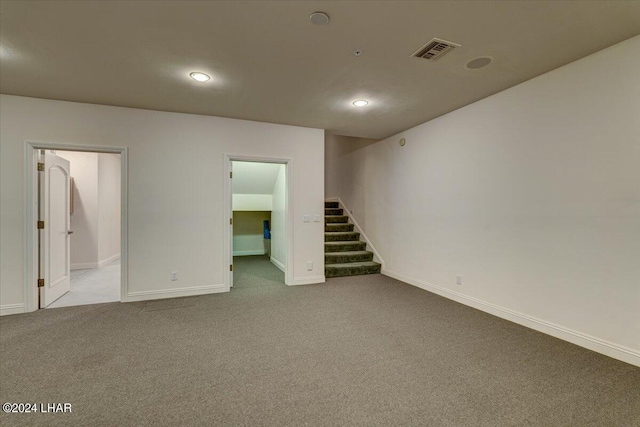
(342,259)
(348,247)
(336,219)
(342,237)
(331,205)
(351,271)
(334,212)
(338,227)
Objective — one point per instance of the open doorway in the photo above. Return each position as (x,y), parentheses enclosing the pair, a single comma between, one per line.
(259,226)
(258,203)
(78,248)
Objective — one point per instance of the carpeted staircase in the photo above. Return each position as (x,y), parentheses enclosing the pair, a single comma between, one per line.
(344,253)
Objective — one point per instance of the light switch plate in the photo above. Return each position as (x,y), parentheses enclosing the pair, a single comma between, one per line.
(316,218)
(306,218)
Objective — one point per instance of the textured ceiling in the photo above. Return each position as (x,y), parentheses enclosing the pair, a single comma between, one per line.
(269,63)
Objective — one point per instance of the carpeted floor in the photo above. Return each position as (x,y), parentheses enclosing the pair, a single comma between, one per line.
(256,274)
(364,350)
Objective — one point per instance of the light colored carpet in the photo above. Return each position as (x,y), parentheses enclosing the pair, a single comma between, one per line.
(362,350)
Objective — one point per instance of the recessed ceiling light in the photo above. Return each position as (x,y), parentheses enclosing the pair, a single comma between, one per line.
(319,18)
(483,61)
(201,77)
(360,103)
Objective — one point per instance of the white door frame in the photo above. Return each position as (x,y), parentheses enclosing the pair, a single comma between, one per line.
(31,214)
(228,238)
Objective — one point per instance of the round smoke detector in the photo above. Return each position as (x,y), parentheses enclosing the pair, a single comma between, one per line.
(402,142)
(480,62)
(319,18)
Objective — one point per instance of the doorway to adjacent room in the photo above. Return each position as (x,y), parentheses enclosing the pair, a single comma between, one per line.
(76,244)
(259,222)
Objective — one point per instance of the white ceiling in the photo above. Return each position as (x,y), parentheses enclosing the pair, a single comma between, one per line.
(254,178)
(269,63)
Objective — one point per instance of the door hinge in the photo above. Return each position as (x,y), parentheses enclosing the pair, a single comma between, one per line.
(231,267)
(40,283)
(40,225)
(230,221)
(230,174)
(40,167)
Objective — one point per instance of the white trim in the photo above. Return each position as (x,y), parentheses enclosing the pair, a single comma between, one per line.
(228,238)
(248,253)
(108,260)
(363,235)
(309,280)
(277,264)
(99,264)
(583,340)
(30,236)
(176,292)
(84,265)
(8,309)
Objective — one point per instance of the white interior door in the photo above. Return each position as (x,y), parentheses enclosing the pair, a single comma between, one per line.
(55,262)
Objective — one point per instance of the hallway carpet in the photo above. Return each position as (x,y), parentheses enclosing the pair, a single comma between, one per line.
(256,274)
(361,350)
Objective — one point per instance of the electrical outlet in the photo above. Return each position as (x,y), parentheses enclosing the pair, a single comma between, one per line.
(458,280)
(309,265)
(174,276)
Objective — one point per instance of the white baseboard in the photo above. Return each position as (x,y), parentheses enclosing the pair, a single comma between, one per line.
(278,264)
(84,265)
(98,264)
(247,253)
(175,292)
(108,260)
(8,309)
(308,280)
(598,345)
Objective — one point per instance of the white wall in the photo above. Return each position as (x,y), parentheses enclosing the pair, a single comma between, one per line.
(252,185)
(248,232)
(96,218)
(338,147)
(278,240)
(84,220)
(252,202)
(532,195)
(109,169)
(176,186)
(254,177)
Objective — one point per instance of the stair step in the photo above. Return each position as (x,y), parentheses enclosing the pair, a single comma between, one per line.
(338,227)
(334,211)
(331,205)
(347,257)
(351,269)
(343,219)
(344,246)
(341,236)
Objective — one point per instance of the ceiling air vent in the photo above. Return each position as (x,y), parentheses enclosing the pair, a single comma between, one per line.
(435,49)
